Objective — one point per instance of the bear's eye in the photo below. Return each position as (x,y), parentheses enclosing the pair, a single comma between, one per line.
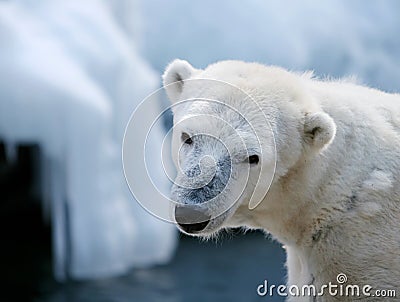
(186,138)
(254,159)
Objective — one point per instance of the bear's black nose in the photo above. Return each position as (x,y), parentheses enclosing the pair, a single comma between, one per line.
(191,220)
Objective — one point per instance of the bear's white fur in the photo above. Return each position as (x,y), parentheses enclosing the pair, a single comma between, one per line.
(335,199)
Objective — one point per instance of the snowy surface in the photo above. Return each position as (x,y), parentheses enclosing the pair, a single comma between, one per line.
(333,37)
(70,77)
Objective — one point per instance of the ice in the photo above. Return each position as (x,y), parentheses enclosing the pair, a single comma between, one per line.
(334,37)
(71,73)
(69,78)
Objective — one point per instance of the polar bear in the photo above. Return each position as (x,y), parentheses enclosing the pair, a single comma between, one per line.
(334,200)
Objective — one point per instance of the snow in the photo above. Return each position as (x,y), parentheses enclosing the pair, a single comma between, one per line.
(70,76)
(334,37)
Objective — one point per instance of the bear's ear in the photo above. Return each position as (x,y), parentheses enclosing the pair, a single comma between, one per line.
(319,130)
(174,76)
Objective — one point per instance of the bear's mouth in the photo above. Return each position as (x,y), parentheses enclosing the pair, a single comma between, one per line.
(196,221)
(191,219)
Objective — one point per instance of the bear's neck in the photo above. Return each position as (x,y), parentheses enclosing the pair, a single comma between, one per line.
(292,212)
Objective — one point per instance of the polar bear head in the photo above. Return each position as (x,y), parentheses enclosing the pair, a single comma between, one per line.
(239,130)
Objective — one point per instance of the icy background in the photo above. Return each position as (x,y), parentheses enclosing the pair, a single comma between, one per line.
(70,77)
(71,72)
(333,37)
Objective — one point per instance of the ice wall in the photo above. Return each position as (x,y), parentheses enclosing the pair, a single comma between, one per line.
(70,76)
(333,37)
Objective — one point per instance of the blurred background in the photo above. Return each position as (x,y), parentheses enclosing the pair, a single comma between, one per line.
(71,74)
